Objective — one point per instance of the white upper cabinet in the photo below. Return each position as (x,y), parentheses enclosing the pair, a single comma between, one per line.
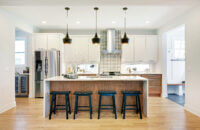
(82,51)
(151,48)
(81,48)
(54,41)
(40,41)
(47,41)
(94,52)
(69,50)
(128,51)
(140,48)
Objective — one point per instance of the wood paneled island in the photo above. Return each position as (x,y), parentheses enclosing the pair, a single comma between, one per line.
(94,84)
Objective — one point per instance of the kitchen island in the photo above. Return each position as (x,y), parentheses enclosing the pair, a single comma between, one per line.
(94,84)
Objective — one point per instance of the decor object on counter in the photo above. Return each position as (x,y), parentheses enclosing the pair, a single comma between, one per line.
(71,76)
(67,39)
(96,39)
(125,39)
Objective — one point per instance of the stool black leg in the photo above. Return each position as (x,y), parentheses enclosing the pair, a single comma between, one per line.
(114,107)
(122,104)
(99,110)
(90,106)
(66,105)
(140,107)
(69,105)
(136,104)
(124,107)
(54,111)
(75,106)
(51,107)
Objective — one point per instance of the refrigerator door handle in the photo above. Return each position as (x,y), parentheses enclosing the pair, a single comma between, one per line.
(46,66)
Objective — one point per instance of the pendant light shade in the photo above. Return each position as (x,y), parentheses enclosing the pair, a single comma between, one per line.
(125,39)
(67,39)
(96,39)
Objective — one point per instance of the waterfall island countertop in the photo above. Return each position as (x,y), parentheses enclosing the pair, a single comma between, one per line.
(94,84)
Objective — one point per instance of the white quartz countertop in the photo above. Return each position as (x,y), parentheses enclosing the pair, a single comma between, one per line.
(95,78)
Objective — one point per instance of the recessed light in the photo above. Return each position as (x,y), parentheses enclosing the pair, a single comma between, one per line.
(78,22)
(113,22)
(43,22)
(147,22)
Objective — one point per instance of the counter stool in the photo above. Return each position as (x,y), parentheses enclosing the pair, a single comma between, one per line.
(136,107)
(76,106)
(107,93)
(66,107)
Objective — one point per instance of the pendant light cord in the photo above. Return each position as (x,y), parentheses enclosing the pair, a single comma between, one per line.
(124,20)
(67,21)
(96,17)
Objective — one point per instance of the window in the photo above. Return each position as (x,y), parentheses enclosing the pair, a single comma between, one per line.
(178,50)
(87,69)
(135,68)
(20,52)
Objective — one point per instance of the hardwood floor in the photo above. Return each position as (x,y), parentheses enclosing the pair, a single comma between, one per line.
(164,115)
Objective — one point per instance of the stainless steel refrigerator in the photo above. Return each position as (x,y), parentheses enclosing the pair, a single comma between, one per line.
(47,64)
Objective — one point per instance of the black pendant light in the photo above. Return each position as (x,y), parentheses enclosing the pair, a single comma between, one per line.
(67,39)
(96,39)
(125,39)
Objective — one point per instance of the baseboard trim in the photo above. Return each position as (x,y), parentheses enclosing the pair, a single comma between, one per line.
(194,111)
(7,107)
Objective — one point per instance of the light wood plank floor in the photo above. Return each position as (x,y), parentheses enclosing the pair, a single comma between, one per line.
(164,115)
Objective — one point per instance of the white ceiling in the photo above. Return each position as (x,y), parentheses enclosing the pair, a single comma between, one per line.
(158,12)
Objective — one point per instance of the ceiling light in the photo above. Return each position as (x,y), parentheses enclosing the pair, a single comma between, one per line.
(147,22)
(78,22)
(96,39)
(67,39)
(43,22)
(113,22)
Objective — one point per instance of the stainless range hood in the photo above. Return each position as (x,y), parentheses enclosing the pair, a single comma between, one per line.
(111,42)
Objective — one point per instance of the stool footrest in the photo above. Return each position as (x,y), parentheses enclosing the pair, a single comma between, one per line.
(83,106)
(60,109)
(131,105)
(107,105)
(106,108)
(130,108)
(83,110)
(60,105)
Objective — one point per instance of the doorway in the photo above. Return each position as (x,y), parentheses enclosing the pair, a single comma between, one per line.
(176,65)
(22,63)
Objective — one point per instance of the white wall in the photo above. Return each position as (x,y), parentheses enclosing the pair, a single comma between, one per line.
(191,20)
(7,66)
